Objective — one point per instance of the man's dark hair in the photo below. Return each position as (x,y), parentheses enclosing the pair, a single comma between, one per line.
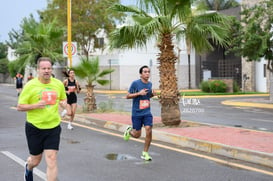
(141,68)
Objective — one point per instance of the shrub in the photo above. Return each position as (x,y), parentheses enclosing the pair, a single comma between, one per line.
(205,86)
(217,86)
(236,87)
(4,65)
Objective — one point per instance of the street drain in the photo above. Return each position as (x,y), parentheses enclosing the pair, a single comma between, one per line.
(115,156)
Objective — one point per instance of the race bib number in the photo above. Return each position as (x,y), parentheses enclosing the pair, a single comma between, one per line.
(143,104)
(49,97)
(71,88)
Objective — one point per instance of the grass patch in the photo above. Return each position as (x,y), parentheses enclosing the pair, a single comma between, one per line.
(200,93)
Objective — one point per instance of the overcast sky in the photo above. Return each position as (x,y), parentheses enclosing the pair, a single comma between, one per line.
(12,13)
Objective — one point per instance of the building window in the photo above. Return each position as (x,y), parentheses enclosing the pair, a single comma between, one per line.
(99,42)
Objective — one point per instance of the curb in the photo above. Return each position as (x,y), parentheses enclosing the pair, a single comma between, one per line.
(247,104)
(252,156)
(256,157)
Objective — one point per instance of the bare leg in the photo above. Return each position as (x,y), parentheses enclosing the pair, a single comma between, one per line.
(135,133)
(52,167)
(33,161)
(148,138)
(69,110)
(70,114)
(73,111)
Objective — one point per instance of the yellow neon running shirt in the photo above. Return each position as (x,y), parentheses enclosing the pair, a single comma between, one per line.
(52,93)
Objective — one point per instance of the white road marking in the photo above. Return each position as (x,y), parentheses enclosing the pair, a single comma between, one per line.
(21,162)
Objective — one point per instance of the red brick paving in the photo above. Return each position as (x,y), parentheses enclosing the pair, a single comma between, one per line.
(242,138)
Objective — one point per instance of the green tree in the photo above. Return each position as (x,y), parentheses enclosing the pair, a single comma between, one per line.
(217,4)
(254,40)
(3,58)
(90,72)
(166,20)
(15,37)
(39,39)
(88,17)
(14,67)
(201,27)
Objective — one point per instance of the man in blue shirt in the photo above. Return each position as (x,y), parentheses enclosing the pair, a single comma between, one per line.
(141,92)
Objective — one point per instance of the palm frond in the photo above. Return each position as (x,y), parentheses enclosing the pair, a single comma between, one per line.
(105,72)
(127,9)
(89,70)
(103,82)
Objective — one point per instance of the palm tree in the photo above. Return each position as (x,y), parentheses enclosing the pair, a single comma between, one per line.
(217,4)
(200,27)
(165,20)
(39,39)
(89,71)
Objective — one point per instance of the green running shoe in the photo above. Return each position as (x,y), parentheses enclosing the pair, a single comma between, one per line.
(145,156)
(126,135)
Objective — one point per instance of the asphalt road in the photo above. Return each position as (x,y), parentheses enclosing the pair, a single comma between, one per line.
(204,110)
(99,155)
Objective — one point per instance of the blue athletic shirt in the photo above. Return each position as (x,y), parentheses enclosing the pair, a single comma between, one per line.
(141,104)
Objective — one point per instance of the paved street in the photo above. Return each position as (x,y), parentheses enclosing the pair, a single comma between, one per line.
(205,110)
(99,154)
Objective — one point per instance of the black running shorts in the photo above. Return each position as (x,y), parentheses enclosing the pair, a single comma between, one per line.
(39,140)
(71,98)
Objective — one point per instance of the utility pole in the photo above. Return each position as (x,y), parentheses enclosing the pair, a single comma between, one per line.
(69,33)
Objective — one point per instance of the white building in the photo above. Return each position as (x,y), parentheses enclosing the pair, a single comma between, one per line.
(127,63)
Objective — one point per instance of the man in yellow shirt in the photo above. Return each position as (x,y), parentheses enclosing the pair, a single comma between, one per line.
(40,98)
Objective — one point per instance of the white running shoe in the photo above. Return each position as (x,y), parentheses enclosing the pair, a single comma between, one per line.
(69,126)
(64,112)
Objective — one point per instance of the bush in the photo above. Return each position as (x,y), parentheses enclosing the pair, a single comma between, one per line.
(4,65)
(205,86)
(236,87)
(217,86)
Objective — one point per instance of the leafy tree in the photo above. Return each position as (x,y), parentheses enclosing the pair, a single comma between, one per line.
(3,58)
(166,20)
(3,50)
(217,4)
(34,40)
(200,27)
(4,65)
(15,37)
(40,39)
(89,71)
(88,17)
(14,67)
(254,40)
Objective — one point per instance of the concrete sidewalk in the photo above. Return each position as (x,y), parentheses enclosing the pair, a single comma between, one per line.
(243,144)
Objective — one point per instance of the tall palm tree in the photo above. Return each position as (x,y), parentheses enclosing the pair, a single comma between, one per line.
(166,20)
(39,39)
(89,71)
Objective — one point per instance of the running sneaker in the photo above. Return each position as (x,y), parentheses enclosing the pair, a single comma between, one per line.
(145,156)
(69,126)
(126,135)
(28,175)
(64,112)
